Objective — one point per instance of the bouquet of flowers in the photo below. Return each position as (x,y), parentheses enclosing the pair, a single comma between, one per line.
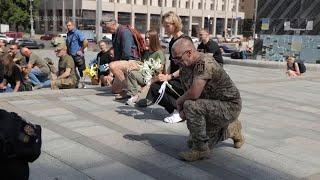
(150,67)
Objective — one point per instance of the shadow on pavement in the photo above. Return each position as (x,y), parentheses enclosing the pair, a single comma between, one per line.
(141,113)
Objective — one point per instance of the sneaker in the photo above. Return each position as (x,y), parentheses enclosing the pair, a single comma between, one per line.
(173,118)
(132,100)
(36,87)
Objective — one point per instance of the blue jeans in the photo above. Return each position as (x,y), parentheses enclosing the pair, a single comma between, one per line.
(8,89)
(39,78)
(244,54)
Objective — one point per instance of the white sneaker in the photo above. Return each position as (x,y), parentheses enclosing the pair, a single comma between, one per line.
(173,118)
(132,101)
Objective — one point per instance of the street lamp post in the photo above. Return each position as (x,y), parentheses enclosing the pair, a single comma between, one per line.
(31,20)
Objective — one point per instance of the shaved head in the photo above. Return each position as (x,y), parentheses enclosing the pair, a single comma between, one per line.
(183,44)
(183,52)
(25,51)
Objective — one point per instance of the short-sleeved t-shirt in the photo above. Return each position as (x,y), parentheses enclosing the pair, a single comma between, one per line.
(219,85)
(15,76)
(20,60)
(103,58)
(74,41)
(67,62)
(40,63)
(212,47)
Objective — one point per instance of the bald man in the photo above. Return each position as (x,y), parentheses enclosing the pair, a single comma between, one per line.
(37,68)
(211,103)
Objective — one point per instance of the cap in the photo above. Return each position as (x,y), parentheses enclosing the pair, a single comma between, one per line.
(107,19)
(61,47)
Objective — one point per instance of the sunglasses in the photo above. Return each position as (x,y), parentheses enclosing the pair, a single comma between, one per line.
(178,58)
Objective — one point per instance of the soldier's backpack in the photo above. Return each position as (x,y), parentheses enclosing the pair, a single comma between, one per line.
(19,139)
(138,40)
(302,67)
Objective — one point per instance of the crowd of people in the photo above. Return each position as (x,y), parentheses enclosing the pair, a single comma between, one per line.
(191,86)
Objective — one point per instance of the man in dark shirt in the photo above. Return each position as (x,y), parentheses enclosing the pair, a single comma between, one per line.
(207,45)
(104,57)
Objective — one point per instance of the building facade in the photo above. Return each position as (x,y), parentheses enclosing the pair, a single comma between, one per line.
(214,15)
(288,17)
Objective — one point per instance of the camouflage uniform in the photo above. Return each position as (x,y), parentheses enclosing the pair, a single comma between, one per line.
(218,105)
(69,82)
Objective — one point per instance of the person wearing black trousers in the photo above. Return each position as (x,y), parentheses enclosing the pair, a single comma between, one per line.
(172,24)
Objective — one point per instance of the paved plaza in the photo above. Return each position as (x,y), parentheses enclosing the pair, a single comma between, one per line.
(88,135)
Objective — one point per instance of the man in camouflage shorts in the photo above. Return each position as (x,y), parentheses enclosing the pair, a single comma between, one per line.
(211,103)
(66,76)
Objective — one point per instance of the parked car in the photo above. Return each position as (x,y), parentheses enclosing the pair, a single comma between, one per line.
(228,48)
(30,43)
(47,37)
(6,38)
(107,37)
(60,39)
(165,39)
(195,39)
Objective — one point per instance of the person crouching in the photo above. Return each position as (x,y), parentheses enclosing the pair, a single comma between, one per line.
(66,76)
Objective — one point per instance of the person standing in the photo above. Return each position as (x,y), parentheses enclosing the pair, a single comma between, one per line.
(211,103)
(207,45)
(76,43)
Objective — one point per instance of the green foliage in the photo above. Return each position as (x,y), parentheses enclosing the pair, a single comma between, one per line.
(17,12)
(318,61)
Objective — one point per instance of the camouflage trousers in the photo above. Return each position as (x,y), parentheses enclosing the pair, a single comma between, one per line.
(67,83)
(208,120)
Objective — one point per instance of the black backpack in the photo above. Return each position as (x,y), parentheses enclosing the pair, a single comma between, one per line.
(236,55)
(302,67)
(19,139)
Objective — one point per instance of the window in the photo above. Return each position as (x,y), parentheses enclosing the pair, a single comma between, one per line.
(150,2)
(187,4)
(160,3)
(212,7)
(145,2)
(174,3)
(179,4)
(128,1)
(111,1)
(199,5)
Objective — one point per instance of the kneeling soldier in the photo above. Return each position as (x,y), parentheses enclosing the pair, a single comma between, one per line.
(66,75)
(211,103)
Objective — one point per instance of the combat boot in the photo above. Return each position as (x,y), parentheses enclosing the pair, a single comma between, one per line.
(194,155)
(190,142)
(234,132)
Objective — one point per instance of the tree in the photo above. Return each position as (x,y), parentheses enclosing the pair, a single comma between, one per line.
(17,12)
